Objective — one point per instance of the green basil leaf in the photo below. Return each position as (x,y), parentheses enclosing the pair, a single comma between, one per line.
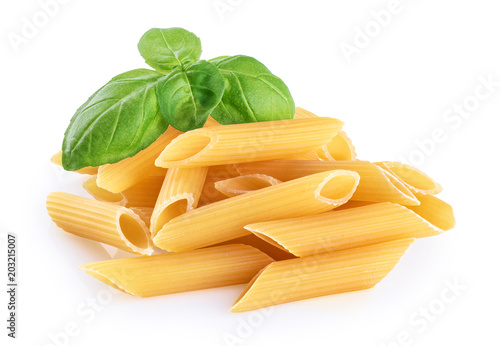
(252,92)
(187,95)
(116,122)
(165,48)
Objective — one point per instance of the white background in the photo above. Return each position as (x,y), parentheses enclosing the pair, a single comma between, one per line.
(392,95)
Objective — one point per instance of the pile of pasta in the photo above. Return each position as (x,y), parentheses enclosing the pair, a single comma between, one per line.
(284,206)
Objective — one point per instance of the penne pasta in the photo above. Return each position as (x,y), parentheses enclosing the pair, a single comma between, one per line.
(325,274)
(413,178)
(122,175)
(209,193)
(272,251)
(179,194)
(345,229)
(57,159)
(224,220)
(437,212)
(144,213)
(100,221)
(354,204)
(145,192)
(309,156)
(375,185)
(220,145)
(339,148)
(100,194)
(245,183)
(180,272)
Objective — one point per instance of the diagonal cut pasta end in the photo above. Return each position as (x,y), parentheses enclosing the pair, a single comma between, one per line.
(185,148)
(325,274)
(239,185)
(415,179)
(338,187)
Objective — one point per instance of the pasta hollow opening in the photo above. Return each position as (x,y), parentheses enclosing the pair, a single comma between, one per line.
(413,177)
(339,186)
(270,240)
(173,210)
(243,184)
(133,231)
(179,150)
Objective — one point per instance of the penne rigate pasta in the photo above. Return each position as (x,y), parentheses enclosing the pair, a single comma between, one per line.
(220,145)
(57,159)
(245,183)
(100,221)
(180,272)
(339,148)
(100,194)
(412,177)
(437,212)
(224,220)
(179,194)
(145,192)
(122,175)
(354,204)
(272,251)
(309,156)
(330,273)
(344,229)
(144,213)
(375,184)
(210,194)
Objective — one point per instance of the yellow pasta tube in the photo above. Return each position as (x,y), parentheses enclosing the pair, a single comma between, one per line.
(325,274)
(100,221)
(412,177)
(220,145)
(272,251)
(100,194)
(179,194)
(224,220)
(119,176)
(245,183)
(180,272)
(339,148)
(436,211)
(309,156)
(210,194)
(144,213)
(57,159)
(145,192)
(375,185)
(344,229)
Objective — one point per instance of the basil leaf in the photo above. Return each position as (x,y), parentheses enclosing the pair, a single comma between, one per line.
(116,122)
(188,94)
(252,92)
(165,48)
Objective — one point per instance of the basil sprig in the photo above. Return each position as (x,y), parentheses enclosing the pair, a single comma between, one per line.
(134,108)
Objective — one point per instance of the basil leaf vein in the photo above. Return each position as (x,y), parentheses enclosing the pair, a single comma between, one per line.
(116,122)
